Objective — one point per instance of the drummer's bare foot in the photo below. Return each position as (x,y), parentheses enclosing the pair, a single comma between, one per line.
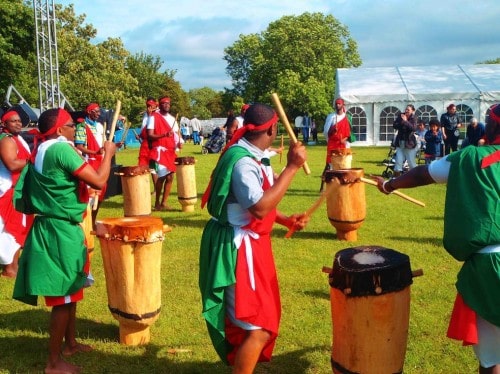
(163,208)
(9,271)
(62,367)
(78,347)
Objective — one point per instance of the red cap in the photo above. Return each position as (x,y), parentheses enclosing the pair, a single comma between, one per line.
(91,107)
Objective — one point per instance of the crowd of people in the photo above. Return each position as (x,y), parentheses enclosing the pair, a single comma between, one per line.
(47,191)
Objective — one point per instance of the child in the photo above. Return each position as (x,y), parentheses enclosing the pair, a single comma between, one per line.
(433,142)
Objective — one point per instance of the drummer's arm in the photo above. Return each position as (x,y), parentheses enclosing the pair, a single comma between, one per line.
(97,178)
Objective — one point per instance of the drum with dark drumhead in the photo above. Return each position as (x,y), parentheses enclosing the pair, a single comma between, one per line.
(370,303)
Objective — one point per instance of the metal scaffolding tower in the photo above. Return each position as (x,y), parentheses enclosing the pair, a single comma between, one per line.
(48,62)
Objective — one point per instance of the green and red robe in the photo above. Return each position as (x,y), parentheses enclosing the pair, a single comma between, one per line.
(52,262)
(251,270)
(472,222)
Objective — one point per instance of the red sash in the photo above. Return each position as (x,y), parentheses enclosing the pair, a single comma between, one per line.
(144,148)
(336,133)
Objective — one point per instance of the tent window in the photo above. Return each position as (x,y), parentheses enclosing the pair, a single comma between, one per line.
(387,118)
(358,123)
(426,113)
(466,113)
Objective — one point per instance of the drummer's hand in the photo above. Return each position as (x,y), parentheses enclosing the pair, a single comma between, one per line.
(298,221)
(380,184)
(109,148)
(119,144)
(297,155)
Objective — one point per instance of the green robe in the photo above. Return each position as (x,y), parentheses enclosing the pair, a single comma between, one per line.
(472,222)
(218,252)
(54,253)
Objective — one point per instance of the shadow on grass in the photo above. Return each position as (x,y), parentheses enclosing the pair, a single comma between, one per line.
(438,242)
(25,354)
(280,231)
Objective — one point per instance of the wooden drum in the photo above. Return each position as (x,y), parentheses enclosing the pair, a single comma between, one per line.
(131,253)
(345,200)
(186,183)
(370,303)
(136,190)
(341,159)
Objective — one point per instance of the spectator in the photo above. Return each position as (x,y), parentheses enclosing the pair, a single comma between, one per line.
(406,142)
(450,126)
(475,131)
(196,128)
(433,142)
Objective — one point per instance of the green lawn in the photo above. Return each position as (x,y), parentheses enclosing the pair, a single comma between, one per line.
(304,344)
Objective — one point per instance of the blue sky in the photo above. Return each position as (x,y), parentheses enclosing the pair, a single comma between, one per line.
(190,35)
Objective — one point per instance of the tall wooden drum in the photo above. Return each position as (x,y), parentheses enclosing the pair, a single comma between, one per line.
(370,303)
(341,159)
(345,201)
(131,253)
(136,190)
(186,183)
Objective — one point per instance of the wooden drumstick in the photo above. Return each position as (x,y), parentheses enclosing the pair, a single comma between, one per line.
(281,147)
(395,192)
(309,212)
(289,130)
(115,119)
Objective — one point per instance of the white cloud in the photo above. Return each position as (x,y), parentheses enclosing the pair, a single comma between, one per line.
(190,36)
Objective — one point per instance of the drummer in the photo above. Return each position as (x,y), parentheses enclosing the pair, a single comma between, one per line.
(243,313)
(54,261)
(471,235)
(337,129)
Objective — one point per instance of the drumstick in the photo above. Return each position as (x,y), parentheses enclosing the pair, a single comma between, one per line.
(281,147)
(309,212)
(284,120)
(178,130)
(115,119)
(395,192)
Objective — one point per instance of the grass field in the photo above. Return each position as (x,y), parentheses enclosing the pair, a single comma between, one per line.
(179,340)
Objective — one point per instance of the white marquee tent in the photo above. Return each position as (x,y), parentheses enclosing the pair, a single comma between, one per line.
(375,95)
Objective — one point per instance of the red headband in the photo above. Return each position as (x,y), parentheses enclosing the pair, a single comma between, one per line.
(91,107)
(151,102)
(164,100)
(9,114)
(249,127)
(495,117)
(339,101)
(61,119)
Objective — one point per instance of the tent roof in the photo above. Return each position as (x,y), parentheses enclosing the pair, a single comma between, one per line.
(419,83)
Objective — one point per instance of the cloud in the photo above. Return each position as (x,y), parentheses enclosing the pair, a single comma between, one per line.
(190,36)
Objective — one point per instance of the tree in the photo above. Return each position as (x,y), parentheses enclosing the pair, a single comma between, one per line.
(296,57)
(17,49)
(206,103)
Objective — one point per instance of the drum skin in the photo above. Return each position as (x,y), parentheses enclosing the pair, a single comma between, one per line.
(370,304)
(131,252)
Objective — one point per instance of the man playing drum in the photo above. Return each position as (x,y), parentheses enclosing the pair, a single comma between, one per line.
(238,282)
(472,235)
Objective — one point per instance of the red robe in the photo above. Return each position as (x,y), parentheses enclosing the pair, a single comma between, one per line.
(336,133)
(17,224)
(163,150)
(95,160)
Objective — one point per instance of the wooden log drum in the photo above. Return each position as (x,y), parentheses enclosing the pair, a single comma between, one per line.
(345,200)
(370,303)
(136,190)
(131,253)
(341,159)
(186,183)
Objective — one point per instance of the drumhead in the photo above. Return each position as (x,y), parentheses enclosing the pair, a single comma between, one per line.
(370,270)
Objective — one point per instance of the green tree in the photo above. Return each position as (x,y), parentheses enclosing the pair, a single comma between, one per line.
(296,57)
(206,103)
(17,49)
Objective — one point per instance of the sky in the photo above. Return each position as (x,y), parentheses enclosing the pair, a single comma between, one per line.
(189,36)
